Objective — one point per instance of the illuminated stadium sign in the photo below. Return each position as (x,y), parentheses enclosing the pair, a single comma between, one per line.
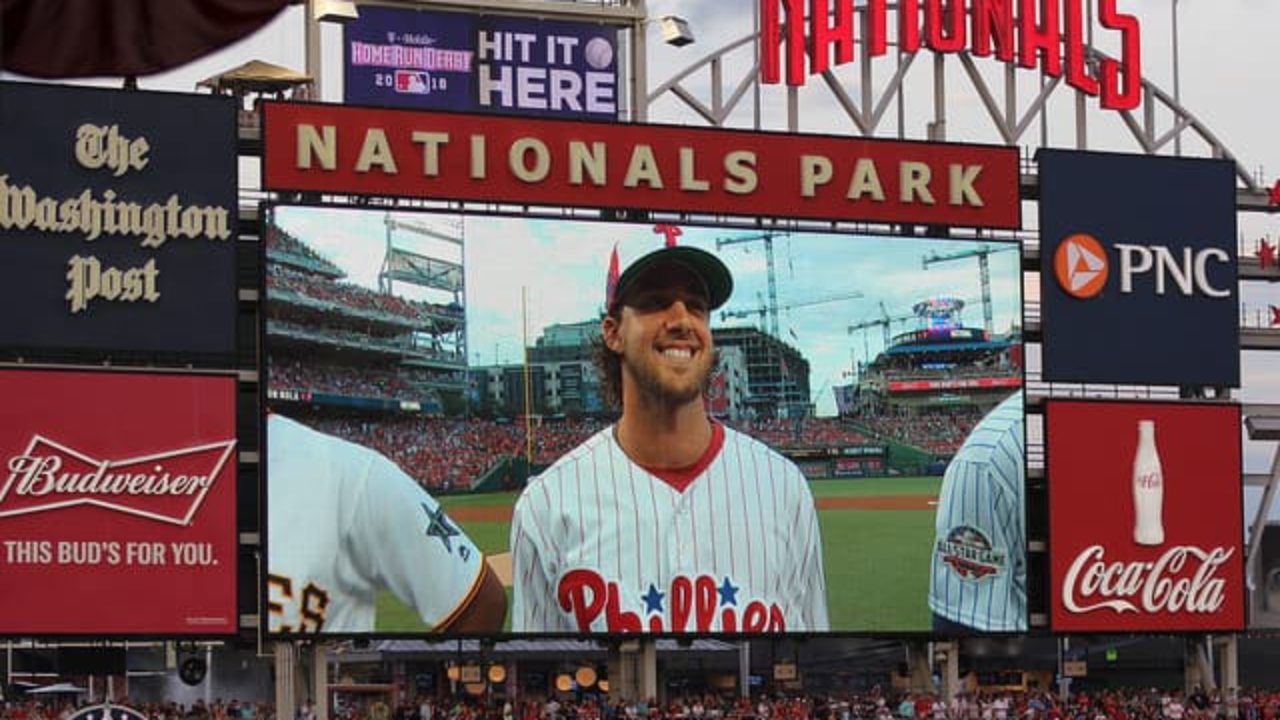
(1168,555)
(1030,38)
(416,58)
(117,230)
(1143,291)
(143,521)
(424,379)
(326,148)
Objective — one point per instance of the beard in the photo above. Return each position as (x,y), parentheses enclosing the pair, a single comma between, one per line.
(665,389)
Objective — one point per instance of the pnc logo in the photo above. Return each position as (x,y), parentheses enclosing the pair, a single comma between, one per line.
(1081,266)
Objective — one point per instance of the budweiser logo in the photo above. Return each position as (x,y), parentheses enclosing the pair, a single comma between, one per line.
(167,486)
(1183,579)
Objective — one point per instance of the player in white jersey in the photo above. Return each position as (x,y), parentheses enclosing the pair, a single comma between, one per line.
(667,521)
(978,580)
(345,522)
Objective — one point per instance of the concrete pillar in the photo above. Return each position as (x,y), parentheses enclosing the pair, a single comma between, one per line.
(1197,667)
(1229,666)
(649,669)
(919,668)
(949,654)
(633,670)
(286,663)
(320,679)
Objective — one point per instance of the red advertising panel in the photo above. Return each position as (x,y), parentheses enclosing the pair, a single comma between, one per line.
(1145,516)
(454,156)
(117,503)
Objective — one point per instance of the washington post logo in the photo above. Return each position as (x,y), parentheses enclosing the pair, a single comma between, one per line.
(1082,267)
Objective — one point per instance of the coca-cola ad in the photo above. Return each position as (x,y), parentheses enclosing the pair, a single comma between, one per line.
(117,503)
(1145,529)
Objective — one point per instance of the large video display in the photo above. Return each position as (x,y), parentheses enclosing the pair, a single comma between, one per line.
(443,456)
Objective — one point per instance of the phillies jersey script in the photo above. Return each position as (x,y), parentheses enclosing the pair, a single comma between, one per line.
(979,572)
(345,522)
(601,545)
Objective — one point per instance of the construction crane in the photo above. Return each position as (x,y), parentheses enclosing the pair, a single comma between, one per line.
(884,321)
(767,238)
(984,273)
(764,308)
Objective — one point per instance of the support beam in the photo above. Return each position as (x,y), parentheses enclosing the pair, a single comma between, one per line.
(286,661)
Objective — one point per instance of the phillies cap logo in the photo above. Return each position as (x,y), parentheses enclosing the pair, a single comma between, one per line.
(1081,266)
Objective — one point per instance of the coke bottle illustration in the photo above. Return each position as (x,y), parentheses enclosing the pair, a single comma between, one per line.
(1148,488)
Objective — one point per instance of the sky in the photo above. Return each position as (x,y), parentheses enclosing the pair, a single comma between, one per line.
(1227,79)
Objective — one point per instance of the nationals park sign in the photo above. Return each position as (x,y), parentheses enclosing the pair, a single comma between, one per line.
(1030,37)
(453,156)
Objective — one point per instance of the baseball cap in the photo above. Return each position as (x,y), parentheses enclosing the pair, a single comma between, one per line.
(705,266)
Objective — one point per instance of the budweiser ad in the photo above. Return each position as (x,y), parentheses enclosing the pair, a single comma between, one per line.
(1145,530)
(117,503)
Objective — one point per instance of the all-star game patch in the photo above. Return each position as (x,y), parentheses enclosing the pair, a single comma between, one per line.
(969,552)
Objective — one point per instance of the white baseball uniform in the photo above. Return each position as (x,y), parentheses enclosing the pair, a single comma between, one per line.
(344,522)
(979,573)
(601,545)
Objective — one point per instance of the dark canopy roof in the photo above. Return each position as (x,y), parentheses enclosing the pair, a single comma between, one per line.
(86,38)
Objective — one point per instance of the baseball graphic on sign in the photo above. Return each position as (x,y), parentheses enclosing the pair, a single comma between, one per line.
(599,53)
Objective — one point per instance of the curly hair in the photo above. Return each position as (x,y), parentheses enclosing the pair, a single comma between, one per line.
(608,366)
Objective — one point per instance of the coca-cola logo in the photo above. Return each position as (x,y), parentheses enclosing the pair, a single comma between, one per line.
(167,486)
(1184,579)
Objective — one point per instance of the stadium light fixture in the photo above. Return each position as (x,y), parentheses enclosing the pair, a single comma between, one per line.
(334,10)
(675,31)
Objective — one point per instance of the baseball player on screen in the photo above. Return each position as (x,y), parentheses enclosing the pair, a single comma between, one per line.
(666,521)
(345,522)
(978,579)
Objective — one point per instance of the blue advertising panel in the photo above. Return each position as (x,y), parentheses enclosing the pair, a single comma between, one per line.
(1138,269)
(117,220)
(455,61)
(402,58)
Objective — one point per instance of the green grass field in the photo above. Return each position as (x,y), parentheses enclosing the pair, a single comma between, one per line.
(877,560)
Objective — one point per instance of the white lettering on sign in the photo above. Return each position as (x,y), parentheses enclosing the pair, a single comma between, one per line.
(1163,585)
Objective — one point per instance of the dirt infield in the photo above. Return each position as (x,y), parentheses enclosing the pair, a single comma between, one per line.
(883,502)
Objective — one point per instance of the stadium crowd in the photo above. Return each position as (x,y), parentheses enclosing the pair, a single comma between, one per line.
(1127,704)
(348,295)
(341,380)
(803,433)
(47,709)
(450,454)
(1144,704)
(941,433)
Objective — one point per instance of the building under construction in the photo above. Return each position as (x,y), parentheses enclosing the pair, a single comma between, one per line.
(777,374)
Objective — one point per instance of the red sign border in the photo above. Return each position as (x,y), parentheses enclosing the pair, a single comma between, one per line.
(233,463)
(1053,585)
(1014,197)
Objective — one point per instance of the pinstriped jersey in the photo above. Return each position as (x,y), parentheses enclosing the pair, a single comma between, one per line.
(979,574)
(345,522)
(601,545)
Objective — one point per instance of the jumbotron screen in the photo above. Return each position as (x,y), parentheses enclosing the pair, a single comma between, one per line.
(465,437)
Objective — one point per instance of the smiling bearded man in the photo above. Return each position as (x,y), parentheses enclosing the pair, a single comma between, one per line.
(668,521)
